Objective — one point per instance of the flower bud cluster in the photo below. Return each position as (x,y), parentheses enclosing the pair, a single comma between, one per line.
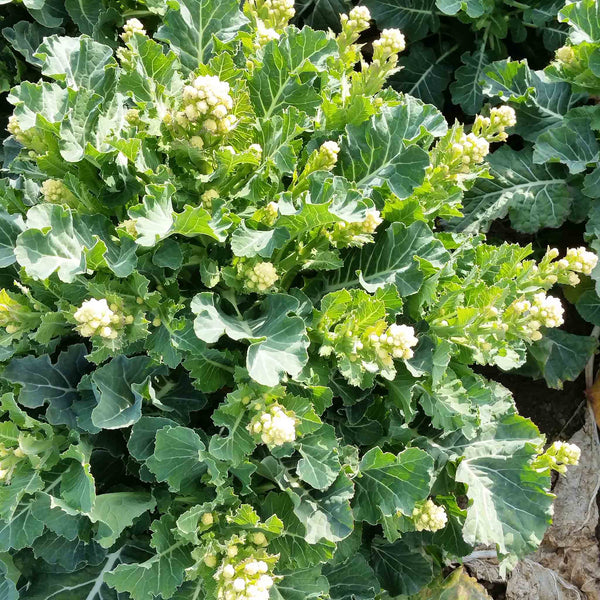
(13,314)
(131,27)
(323,159)
(546,311)
(559,456)
(390,42)
(29,138)
(428,516)
(565,54)
(97,318)
(267,215)
(129,225)
(493,128)
(470,149)
(247,579)
(357,21)
(133,117)
(206,105)
(275,425)
(579,260)
(355,234)
(258,277)
(274,13)
(56,192)
(207,198)
(397,341)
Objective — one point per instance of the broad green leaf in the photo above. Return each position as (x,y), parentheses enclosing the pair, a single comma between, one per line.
(238,444)
(282,339)
(473,8)
(351,579)
(51,243)
(55,384)
(21,529)
(584,18)
(399,568)
(77,486)
(289,73)
(300,584)
(89,583)
(86,14)
(416,17)
(388,483)
(424,74)
(71,555)
(295,552)
(58,516)
(572,143)
(154,74)
(319,465)
(25,37)
(160,575)
(508,80)
(156,220)
(79,62)
(510,505)
(8,588)
(535,196)
(395,253)
(189,26)
(253,242)
(375,153)
(466,89)
(562,356)
(115,511)
(588,306)
(320,14)
(118,388)
(34,101)
(176,457)
(143,435)
(10,228)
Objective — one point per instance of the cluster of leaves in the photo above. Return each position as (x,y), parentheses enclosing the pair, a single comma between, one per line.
(173,280)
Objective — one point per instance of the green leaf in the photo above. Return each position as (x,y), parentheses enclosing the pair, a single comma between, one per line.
(293,549)
(25,37)
(399,568)
(289,72)
(68,554)
(351,579)
(584,18)
(473,8)
(466,89)
(300,584)
(320,14)
(58,516)
(395,253)
(278,341)
(79,62)
(55,384)
(119,391)
(535,196)
(388,483)
(253,242)
(8,588)
(236,446)
(116,511)
(416,17)
(10,228)
(176,457)
(374,153)
(510,505)
(189,27)
(572,143)
(143,435)
(562,356)
(424,74)
(588,306)
(160,575)
(21,529)
(88,582)
(319,465)
(508,80)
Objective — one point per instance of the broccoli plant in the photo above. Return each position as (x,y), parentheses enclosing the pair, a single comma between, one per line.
(237,348)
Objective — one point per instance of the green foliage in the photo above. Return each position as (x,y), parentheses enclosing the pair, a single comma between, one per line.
(236,333)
